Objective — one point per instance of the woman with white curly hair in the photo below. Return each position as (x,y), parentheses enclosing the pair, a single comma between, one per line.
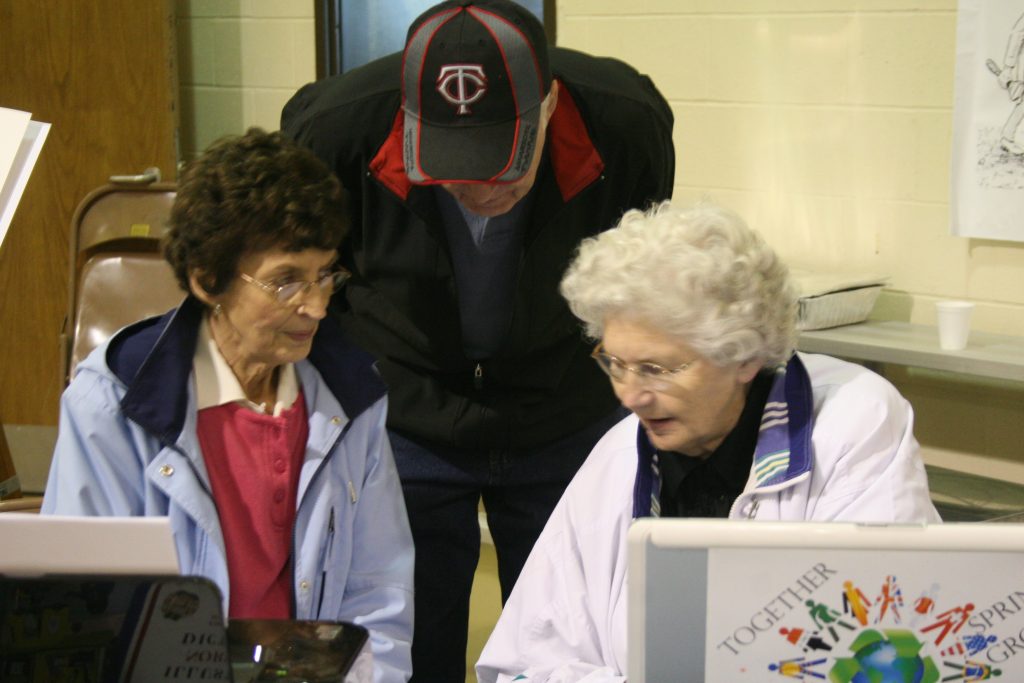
(696,319)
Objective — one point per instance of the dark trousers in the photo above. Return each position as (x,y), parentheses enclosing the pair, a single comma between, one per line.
(443,488)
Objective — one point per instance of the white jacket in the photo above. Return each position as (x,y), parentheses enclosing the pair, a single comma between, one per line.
(848,453)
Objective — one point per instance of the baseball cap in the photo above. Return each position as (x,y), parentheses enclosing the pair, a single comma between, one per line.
(474,77)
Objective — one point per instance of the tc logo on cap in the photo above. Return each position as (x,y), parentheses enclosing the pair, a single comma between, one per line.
(461,85)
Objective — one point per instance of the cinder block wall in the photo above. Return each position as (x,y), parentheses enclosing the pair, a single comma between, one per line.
(240,61)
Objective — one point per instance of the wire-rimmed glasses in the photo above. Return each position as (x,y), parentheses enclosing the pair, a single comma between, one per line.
(650,375)
(289,292)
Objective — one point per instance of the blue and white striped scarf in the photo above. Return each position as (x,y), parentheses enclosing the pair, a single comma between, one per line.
(783,450)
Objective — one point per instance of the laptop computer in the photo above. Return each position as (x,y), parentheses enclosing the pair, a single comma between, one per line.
(51,544)
(728,601)
(100,599)
(137,629)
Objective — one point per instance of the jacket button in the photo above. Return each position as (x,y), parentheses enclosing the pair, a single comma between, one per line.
(335,420)
(166,470)
(304,585)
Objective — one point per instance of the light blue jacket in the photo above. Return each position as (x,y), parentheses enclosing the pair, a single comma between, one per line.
(128,446)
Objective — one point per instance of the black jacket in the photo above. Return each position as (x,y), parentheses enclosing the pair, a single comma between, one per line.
(609,149)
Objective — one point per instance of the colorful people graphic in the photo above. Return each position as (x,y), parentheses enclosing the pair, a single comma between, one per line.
(892,597)
(924,605)
(826,617)
(971,671)
(950,620)
(807,641)
(977,642)
(874,653)
(797,668)
(855,603)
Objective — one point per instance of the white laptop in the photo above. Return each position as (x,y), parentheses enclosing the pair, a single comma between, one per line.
(723,601)
(100,599)
(163,629)
(38,545)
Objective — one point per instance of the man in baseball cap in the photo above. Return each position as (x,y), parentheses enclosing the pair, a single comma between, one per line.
(478,158)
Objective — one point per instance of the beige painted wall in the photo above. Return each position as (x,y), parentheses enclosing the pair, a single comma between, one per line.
(826,123)
(240,61)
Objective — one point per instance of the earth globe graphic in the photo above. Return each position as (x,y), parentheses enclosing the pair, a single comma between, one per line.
(891,656)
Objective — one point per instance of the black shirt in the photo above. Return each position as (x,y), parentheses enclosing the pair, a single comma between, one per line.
(691,487)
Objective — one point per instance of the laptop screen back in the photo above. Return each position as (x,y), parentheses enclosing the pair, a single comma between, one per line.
(99,599)
(128,629)
(719,600)
(134,629)
(37,545)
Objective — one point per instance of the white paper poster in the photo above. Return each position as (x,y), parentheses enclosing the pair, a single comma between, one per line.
(987,194)
(21,139)
(848,616)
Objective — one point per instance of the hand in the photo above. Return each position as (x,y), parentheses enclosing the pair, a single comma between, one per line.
(1016,90)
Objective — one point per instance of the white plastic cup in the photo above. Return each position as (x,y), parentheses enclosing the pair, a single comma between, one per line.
(954,324)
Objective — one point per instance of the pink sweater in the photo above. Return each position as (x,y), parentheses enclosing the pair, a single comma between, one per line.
(253,461)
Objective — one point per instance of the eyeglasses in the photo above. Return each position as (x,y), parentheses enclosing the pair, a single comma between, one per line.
(650,375)
(289,292)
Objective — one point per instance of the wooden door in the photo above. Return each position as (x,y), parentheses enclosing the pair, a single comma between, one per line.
(104,74)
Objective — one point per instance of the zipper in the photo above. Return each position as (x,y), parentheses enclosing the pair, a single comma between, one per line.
(478,377)
(736,511)
(327,558)
(316,475)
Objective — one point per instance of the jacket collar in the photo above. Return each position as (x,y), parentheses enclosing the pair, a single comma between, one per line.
(782,456)
(153,358)
(574,157)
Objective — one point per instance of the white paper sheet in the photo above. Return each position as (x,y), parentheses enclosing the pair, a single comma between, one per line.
(13,124)
(21,139)
(987,194)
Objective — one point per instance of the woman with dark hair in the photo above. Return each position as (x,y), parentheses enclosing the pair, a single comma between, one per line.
(244,415)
